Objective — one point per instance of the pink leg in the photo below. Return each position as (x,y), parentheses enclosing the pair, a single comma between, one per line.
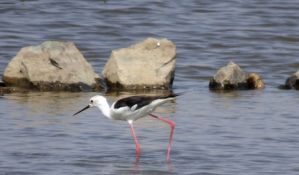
(135,140)
(172,125)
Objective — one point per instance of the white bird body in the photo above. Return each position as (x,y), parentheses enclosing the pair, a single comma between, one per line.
(125,113)
(133,108)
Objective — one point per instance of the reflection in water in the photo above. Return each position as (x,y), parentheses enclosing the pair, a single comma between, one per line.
(169,166)
(61,102)
(137,167)
(48,102)
(139,92)
(136,164)
(226,94)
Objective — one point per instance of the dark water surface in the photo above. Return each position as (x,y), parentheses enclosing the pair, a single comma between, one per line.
(243,132)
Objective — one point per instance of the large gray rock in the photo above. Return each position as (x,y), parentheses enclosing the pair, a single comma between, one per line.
(51,65)
(146,65)
(292,82)
(231,77)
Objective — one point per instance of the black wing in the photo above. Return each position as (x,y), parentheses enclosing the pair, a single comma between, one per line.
(139,100)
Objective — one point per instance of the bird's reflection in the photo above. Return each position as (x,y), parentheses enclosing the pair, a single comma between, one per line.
(39,103)
(136,165)
(169,166)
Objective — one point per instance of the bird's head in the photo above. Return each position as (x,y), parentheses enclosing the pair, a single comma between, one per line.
(97,101)
(94,101)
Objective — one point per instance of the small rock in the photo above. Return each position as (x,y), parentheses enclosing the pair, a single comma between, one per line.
(50,66)
(292,82)
(255,81)
(149,64)
(232,77)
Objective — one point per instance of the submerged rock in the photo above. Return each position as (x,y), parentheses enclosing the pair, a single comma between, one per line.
(52,65)
(146,65)
(232,77)
(292,82)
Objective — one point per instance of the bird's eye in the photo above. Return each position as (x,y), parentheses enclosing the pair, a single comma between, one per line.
(91,101)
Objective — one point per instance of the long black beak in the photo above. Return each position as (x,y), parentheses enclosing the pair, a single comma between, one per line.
(82,110)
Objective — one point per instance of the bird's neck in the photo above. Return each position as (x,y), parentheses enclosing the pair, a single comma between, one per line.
(105,108)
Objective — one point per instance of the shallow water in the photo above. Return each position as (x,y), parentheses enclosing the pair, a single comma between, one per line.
(243,132)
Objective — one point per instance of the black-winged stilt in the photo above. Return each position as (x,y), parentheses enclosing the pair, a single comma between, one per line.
(132,108)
